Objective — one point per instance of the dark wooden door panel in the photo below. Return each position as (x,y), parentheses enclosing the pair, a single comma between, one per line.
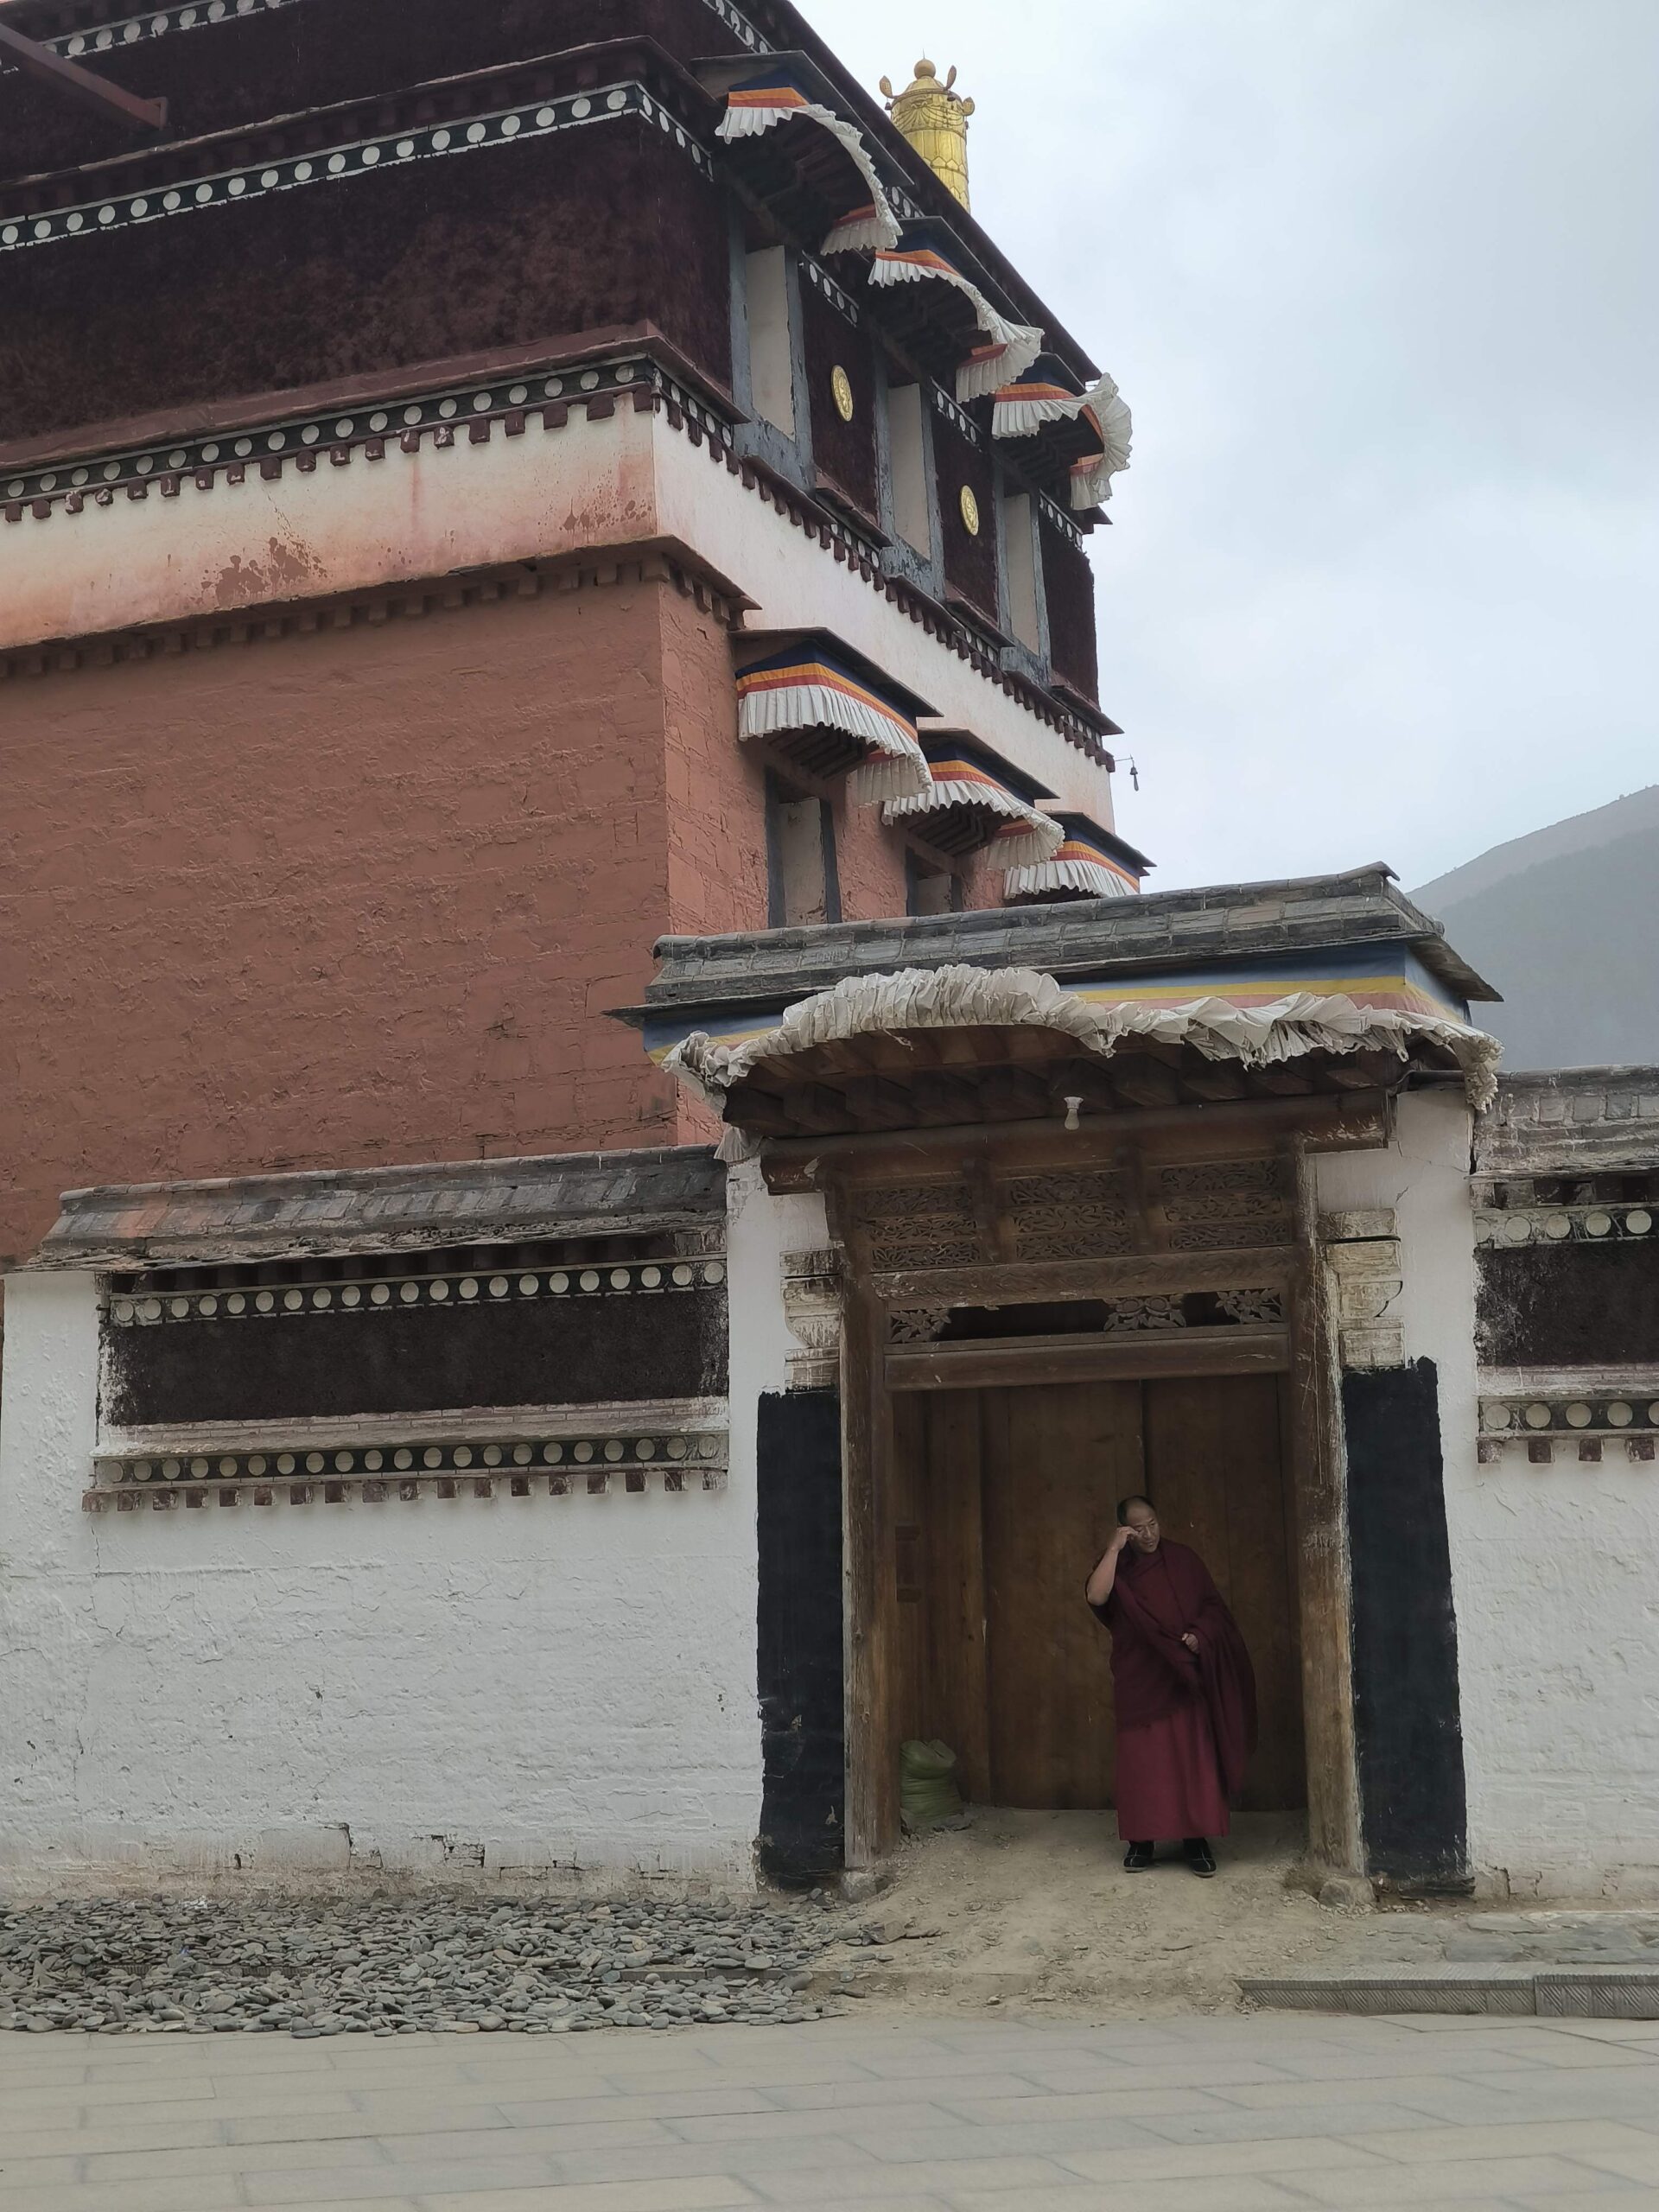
(1003,1500)
(939,1580)
(955,1674)
(1056,1461)
(1216,1469)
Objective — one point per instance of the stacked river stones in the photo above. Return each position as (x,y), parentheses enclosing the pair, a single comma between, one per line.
(395,1966)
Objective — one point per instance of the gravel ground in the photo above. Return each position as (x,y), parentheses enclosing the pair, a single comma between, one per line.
(394,1966)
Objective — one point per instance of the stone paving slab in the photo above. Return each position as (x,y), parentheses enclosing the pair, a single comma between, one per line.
(1252,2113)
(1587,1993)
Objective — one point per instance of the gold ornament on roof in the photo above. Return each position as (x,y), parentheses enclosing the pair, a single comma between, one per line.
(934,119)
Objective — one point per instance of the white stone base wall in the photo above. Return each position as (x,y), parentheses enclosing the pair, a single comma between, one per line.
(432,1687)
(1554,1569)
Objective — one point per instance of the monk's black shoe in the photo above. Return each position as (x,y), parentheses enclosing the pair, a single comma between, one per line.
(1138,1858)
(1199,1857)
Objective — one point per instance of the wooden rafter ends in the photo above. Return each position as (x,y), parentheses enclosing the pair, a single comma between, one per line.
(81,84)
(940,1078)
(1343,1122)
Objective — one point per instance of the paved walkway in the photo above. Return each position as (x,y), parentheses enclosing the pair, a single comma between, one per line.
(1231,2115)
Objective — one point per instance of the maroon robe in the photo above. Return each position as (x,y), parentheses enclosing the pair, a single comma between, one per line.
(1185,1720)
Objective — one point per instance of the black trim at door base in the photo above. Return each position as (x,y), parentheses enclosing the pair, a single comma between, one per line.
(1408,1717)
(803,1815)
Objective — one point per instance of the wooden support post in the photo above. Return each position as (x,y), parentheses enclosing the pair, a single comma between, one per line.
(1317,1471)
(872,1815)
(81,84)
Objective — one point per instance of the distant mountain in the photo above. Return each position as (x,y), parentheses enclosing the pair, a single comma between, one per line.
(1565,924)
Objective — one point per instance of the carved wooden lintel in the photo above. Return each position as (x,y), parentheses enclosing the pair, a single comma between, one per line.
(1137,1275)
(1007,1362)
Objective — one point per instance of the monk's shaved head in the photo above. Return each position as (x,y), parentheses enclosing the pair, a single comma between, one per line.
(1124,1504)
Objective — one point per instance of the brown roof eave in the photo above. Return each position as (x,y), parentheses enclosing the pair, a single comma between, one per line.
(184,152)
(458,1203)
(249,410)
(941,204)
(1156,930)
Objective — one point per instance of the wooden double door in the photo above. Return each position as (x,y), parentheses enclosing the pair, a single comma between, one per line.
(1004,1499)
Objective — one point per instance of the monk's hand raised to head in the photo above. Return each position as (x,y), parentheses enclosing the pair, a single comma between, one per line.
(1190,1641)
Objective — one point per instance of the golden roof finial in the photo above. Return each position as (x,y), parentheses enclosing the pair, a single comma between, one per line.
(934,119)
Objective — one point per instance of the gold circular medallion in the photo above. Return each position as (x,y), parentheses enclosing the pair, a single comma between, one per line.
(969,510)
(842,385)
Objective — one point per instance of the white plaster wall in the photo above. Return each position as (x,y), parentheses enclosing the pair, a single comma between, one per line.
(587,488)
(396,520)
(799,585)
(759,1230)
(512,1682)
(1554,1571)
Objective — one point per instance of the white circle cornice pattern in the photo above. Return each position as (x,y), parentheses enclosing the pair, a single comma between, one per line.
(1059,520)
(819,277)
(206,15)
(1579,1222)
(530,120)
(1517,1415)
(607,1462)
(460,1289)
(157,22)
(339,432)
(1588,1425)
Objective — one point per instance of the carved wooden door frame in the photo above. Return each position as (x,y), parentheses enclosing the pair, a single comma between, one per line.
(1140,1212)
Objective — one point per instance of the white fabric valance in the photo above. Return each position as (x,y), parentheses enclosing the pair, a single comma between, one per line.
(754,108)
(1256,1035)
(957,779)
(804,687)
(1009,348)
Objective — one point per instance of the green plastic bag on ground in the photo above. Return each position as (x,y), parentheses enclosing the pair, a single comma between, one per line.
(927,1785)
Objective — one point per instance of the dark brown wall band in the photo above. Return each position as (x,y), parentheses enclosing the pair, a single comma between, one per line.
(419,1359)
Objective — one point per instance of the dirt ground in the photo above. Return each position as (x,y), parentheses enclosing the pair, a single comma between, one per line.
(1035,1909)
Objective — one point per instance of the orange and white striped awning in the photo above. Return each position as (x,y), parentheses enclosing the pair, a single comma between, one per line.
(982,797)
(1089,863)
(1026,403)
(1006,349)
(775,95)
(809,685)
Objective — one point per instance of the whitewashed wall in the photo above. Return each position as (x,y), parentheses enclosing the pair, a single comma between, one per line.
(495,1683)
(1554,1571)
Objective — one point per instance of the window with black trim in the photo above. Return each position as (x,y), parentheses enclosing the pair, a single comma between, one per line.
(928,888)
(803,887)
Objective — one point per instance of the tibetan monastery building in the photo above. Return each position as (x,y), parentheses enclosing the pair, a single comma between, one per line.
(609,1168)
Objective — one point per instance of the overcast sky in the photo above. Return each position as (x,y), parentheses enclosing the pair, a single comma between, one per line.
(1378,279)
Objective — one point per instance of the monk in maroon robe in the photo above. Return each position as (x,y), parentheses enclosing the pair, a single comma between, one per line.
(1183,1686)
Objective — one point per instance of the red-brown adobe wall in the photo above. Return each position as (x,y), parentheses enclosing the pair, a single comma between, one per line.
(366,895)
(717,860)
(353,898)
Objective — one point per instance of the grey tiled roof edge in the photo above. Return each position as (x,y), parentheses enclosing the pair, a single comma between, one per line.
(386,1209)
(1091,936)
(1551,1120)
